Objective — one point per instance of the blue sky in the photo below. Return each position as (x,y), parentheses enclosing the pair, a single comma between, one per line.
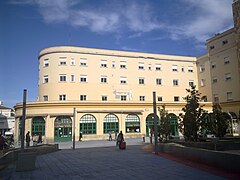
(177,27)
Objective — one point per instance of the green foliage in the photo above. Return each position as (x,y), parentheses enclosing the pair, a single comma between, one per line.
(191,121)
(219,122)
(165,127)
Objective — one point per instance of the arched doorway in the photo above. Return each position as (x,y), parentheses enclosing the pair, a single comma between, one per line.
(38,126)
(110,123)
(88,124)
(63,128)
(173,123)
(150,123)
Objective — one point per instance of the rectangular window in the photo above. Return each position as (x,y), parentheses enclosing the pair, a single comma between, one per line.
(160,98)
(72,78)
(142,98)
(213,65)
(46,63)
(45,79)
(201,68)
(83,97)
(159,81)
(141,80)
(103,79)
(174,68)
(62,97)
(229,96)
(226,60)
(72,62)
(203,82)
(175,82)
(123,64)
(191,83)
(113,64)
(211,47)
(83,78)
(214,80)
(103,64)
(176,98)
(182,68)
(62,77)
(140,65)
(225,42)
(215,98)
(228,77)
(158,67)
(62,61)
(123,98)
(83,62)
(104,98)
(149,67)
(123,80)
(190,69)
(45,98)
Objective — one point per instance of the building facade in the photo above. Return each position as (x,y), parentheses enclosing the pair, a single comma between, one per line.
(219,70)
(111,91)
(7,119)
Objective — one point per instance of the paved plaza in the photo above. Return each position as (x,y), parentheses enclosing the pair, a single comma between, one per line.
(103,160)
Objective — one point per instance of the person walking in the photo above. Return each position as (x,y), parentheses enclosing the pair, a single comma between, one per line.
(39,138)
(120,138)
(28,138)
(80,136)
(1,141)
(110,135)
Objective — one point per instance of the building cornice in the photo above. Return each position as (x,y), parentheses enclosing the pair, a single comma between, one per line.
(115,53)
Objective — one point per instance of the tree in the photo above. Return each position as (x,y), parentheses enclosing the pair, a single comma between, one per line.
(165,126)
(193,117)
(220,123)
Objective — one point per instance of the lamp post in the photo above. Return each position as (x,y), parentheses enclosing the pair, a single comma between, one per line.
(155,123)
(74,120)
(23,118)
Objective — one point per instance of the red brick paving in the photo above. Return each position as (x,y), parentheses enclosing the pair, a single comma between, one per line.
(213,170)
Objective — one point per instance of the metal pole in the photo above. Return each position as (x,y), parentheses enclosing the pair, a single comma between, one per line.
(155,123)
(23,118)
(74,120)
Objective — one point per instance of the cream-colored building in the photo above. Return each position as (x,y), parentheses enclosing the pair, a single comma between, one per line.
(111,91)
(219,70)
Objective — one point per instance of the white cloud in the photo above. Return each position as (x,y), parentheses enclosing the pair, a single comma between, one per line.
(139,17)
(206,18)
(96,21)
(209,17)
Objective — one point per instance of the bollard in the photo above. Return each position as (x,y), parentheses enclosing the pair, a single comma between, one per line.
(143,138)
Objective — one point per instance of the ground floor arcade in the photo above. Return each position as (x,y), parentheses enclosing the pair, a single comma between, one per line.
(56,121)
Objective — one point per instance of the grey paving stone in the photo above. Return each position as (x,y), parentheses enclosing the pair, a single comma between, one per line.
(106,162)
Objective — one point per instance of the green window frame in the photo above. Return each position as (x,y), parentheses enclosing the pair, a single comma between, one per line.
(88,124)
(38,126)
(132,123)
(173,123)
(110,123)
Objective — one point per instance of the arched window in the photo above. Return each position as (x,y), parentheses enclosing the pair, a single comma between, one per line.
(110,123)
(88,124)
(150,124)
(173,123)
(132,123)
(38,126)
(63,128)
